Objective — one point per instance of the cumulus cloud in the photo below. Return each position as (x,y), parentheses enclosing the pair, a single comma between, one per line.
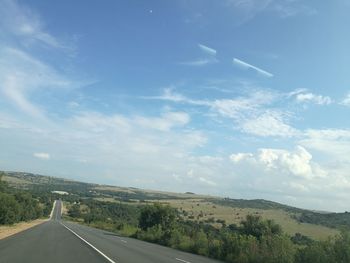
(43,156)
(346,100)
(308,97)
(335,143)
(238,157)
(296,163)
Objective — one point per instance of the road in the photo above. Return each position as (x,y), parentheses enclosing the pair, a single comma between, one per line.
(61,241)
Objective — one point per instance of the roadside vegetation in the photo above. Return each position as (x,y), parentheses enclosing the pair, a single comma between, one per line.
(253,240)
(231,230)
(19,205)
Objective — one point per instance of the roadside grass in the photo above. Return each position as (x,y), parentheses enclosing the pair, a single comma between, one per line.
(203,210)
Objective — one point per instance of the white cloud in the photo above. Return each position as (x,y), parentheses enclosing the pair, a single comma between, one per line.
(249,9)
(304,97)
(270,123)
(208,50)
(25,24)
(335,143)
(237,157)
(21,75)
(209,59)
(199,62)
(98,122)
(246,65)
(346,100)
(166,122)
(250,113)
(43,156)
(239,107)
(296,163)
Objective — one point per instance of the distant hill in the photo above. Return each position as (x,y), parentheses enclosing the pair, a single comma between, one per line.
(193,206)
(257,203)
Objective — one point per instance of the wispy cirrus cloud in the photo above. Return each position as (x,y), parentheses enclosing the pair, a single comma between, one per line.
(252,113)
(208,50)
(21,75)
(270,123)
(209,59)
(249,9)
(246,65)
(18,21)
(198,62)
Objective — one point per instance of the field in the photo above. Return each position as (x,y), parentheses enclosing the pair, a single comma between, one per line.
(201,208)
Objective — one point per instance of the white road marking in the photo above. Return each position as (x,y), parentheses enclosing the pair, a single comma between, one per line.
(122,240)
(96,249)
(179,259)
(53,207)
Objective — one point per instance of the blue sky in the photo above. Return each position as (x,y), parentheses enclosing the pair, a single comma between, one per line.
(239,98)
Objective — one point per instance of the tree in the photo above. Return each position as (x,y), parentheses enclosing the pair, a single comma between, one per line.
(255,226)
(342,247)
(9,209)
(30,207)
(157,215)
(158,220)
(74,211)
(3,184)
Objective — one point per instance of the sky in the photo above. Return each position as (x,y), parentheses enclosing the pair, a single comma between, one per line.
(235,98)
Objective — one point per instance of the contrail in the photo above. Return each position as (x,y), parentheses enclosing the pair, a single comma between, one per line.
(207,50)
(246,65)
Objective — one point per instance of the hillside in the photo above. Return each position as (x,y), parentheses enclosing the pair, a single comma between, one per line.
(207,209)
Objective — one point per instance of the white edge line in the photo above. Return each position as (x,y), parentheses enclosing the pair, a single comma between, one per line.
(96,249)
(53,207)
(179,259)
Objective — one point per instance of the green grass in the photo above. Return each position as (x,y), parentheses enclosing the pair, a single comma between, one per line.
(203,210)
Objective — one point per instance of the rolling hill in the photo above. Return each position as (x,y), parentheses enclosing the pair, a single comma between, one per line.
(207,209)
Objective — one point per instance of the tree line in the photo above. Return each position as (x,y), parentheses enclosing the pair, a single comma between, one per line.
(18,205)
(254,240)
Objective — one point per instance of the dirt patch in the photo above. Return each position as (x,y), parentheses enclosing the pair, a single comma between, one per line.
(6,231)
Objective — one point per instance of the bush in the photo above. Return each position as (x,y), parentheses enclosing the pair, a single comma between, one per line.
(9,209)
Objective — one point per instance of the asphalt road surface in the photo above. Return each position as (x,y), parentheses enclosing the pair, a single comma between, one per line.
(61,241)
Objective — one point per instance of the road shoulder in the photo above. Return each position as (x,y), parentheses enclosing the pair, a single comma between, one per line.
(6,231)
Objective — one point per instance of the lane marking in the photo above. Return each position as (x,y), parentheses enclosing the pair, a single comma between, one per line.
(122,240)
(53,208)
(92,246)
(179,259)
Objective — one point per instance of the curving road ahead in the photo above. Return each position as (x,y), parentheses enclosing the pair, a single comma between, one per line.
(61,241)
